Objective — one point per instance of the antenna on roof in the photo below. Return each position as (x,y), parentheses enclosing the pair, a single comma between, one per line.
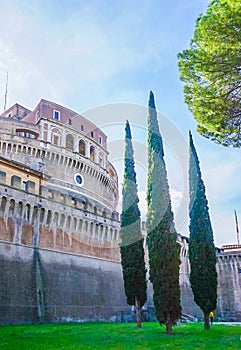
(237,229)
(6,92)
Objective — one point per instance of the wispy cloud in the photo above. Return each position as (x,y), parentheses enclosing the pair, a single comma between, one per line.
(55,50)
(82,54)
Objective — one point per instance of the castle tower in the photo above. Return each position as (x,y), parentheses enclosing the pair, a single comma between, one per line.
(54,165)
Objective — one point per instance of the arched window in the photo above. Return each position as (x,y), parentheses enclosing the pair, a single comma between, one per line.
(42,213)
(111,172)
(70,142)
(27,212)
(92,153)
(56,219)
(56,137)
(11,207)
(3,204)
(49,217)
(101,159)
(20,209)
(82,147)
(35,214)
(68,222)
(62,221)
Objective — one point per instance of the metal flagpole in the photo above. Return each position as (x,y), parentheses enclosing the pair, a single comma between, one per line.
(6,92)
(237,229)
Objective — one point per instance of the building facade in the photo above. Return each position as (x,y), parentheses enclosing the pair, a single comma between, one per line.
(59,228)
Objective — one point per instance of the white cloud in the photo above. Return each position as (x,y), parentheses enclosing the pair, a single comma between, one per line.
(142,204)
(54,59)
(81,53)
(176,197)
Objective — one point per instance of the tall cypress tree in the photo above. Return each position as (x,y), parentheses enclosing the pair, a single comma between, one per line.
(132,251)
(164,251)
(202,256)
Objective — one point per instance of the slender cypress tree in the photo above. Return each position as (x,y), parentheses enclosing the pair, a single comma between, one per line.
(202,256)
(164,251)
(132,251)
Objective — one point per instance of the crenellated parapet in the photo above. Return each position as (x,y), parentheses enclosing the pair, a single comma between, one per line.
(229,259)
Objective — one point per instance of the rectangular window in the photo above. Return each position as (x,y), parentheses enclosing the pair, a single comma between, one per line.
(24,186)
(92,134)
(2,177)
(56,115)
(82,128)
(70,122)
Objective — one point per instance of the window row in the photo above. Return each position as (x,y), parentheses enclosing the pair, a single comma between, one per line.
(79,203)
(16,182)
(82,147)
(26,133)
(56,116)
(63,221)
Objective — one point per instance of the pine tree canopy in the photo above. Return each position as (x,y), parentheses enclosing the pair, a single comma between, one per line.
(211,71)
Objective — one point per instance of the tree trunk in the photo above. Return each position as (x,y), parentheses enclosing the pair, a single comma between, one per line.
(168,325)
(138,312)
(206,320)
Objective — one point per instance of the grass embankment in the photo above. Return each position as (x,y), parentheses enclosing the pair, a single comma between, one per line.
(118,336)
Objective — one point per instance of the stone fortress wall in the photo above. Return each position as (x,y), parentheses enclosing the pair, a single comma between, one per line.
(229,283)
(59,229)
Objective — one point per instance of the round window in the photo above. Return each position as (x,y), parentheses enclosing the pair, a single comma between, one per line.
(79,180)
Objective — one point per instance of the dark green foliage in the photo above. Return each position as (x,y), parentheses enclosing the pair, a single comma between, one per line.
(211,71)
(162,243)
(203,276)
(132,251)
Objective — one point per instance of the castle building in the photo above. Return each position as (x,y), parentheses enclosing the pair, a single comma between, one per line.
(59,228)
(54,164)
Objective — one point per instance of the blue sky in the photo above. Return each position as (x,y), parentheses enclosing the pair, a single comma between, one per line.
(88,54)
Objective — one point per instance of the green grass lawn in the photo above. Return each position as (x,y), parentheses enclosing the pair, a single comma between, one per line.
(118,336)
